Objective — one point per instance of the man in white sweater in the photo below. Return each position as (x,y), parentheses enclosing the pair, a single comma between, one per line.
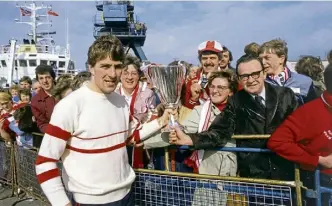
(89,131)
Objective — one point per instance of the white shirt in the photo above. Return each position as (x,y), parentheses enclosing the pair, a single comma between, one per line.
(262,94)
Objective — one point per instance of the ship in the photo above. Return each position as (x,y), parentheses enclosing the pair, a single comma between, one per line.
(20,58)
(118,18)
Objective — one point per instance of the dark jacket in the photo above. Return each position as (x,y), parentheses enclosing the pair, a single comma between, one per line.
(243,115)
(42,106)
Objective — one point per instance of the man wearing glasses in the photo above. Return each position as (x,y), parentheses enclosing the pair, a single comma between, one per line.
(257,109)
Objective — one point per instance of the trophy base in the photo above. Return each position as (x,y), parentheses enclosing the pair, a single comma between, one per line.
(170,127)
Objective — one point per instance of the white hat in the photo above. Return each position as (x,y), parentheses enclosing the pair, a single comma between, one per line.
(210,46)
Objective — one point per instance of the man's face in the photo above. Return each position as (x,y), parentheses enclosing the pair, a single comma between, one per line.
(25,85)
(224,59)
(46,81)
(251,75)
(129,77)
(36,87)
(105,75)
(210,62)
(272,62)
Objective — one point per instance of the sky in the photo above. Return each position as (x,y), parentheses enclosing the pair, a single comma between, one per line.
(175,29)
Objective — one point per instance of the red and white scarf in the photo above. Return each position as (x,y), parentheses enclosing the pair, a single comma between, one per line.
(197,156)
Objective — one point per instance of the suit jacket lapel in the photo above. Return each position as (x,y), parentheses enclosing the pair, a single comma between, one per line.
(251,104)
(271,102)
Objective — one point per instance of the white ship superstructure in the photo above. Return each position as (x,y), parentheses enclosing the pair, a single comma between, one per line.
(20,58)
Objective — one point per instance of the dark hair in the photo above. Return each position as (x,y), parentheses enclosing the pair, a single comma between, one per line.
(24,117)
(310,66)
(45,69)
(184,63)
(225,74)
(26,79)
(329,57)
(79,79)
(328,78)
(131,60)
(225,49)
(247,58)
(26,92)
(105,46)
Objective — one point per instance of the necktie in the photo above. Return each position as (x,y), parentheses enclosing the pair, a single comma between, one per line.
(281,79)
(259,100)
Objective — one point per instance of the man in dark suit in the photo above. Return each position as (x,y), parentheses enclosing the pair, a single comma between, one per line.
(257,109)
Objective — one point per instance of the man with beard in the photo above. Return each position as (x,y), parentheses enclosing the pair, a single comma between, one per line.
(42,104)
(209,55)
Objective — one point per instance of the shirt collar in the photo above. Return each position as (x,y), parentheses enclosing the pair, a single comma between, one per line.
(262,94)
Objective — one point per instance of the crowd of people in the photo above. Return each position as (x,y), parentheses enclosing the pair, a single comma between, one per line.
(106,121)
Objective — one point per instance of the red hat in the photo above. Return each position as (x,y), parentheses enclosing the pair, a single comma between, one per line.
(210,46)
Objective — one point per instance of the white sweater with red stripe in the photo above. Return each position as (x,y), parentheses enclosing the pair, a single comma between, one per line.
(88,132)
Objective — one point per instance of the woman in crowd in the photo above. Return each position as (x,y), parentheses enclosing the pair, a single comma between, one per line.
(140,100)
(80,79)
(222,85)
(312,67)
(62,89)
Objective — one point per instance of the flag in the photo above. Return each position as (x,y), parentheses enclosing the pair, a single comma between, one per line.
(25,12)
(52,13)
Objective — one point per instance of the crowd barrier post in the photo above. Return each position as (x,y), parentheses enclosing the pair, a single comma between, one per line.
(320,190)
(7,170)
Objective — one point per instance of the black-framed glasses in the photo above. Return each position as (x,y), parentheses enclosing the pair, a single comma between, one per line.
(254,75)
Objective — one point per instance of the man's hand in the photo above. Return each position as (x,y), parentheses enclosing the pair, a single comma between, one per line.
(195,90)
(326,161)
(178,137)
(163,120)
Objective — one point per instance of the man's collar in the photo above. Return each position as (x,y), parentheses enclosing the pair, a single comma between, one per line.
(262,93)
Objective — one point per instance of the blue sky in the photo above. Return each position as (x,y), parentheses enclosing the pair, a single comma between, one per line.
(175,29)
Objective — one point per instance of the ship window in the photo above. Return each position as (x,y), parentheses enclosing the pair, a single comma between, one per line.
(23,63)
(62,64)
(3,62)
(16,63)
(33,63)
(53,63)
(43,62)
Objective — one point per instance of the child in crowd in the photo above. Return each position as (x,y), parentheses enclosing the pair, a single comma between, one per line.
(25,96)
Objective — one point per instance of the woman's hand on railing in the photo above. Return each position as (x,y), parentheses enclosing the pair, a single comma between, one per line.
(326,161)
(178,137)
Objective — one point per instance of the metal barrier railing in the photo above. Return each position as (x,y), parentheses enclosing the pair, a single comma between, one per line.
(7,168)
(169,188)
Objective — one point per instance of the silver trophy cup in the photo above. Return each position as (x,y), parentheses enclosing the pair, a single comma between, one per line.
(168,82)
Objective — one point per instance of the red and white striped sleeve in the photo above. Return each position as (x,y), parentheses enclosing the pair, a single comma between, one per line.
(57,133)
(140,132)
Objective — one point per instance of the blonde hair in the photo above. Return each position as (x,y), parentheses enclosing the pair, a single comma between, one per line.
(105,46)
(5,96)
(275,46)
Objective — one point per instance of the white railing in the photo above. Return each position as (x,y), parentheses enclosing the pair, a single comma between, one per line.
(31,48)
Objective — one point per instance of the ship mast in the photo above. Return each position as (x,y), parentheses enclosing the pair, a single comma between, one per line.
(35,19)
